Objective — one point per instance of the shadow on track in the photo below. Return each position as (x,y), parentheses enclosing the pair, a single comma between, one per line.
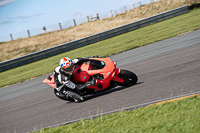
(107,92)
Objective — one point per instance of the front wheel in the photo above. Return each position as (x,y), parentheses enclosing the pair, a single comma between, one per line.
(129,78)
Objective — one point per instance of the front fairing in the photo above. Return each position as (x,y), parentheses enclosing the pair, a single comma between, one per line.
(104,67)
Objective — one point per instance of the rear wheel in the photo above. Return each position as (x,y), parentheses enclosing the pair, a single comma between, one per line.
(129,78)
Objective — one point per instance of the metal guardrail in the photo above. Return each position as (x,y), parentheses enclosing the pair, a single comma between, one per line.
(23,60)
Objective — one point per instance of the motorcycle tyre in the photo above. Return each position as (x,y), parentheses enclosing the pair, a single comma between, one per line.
(129,78)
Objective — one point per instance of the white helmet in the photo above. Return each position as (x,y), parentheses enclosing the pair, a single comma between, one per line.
(66,65)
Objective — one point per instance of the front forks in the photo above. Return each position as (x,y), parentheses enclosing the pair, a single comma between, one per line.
(116,78)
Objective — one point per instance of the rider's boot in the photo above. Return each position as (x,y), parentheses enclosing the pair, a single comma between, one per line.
(88,84)
(77,98)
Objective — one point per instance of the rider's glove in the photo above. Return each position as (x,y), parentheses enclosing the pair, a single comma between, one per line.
(96,56)
(75,61)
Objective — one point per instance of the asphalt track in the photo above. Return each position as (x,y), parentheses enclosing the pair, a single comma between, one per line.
(165,69)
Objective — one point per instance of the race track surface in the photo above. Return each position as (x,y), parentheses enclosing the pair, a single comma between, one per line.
(165,69)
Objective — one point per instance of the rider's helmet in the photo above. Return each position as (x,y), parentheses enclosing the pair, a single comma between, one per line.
(66,65)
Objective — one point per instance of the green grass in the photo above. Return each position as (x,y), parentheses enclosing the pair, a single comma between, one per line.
(181,116)
(121,43)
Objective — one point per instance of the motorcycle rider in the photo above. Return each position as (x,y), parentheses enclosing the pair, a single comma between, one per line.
(63,74)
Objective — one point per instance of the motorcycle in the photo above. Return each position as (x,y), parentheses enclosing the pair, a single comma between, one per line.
(103,70)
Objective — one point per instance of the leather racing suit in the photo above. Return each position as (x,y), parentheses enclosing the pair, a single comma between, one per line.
(65,86)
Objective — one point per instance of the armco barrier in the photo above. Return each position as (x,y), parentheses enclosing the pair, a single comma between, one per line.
(6,65)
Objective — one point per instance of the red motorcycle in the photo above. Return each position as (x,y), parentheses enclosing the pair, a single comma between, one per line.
(103,70)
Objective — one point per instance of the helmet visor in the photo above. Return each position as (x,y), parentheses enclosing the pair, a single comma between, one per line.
(69,69)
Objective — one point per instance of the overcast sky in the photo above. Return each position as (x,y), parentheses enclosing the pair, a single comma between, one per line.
(21,15)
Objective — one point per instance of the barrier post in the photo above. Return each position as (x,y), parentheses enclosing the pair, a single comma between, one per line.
(125,8)
(88,18)
(74,22)
(44,29)
(140,3)
(133,6)
(29,35)
(11,37)
(111,13)
(98,16)
(60,26)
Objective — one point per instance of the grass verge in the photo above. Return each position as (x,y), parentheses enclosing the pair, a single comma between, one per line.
(181,116)
(121,43)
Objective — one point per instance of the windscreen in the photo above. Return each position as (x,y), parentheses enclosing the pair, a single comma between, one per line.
(96,64)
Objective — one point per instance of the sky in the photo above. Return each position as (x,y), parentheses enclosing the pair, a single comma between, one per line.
(22,15)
